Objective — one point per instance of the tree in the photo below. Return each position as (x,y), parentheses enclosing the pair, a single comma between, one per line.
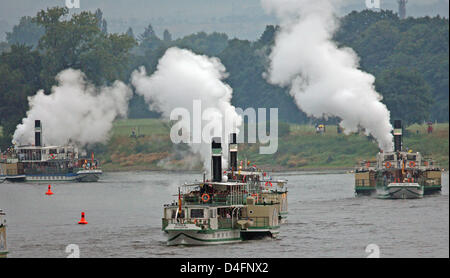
(104,26)
(378,43)
(130,33)
(383,42)
(246,64)
(4,47)
(19,78)
(79,43)
(149,40)
(203,43)
(406,95)
(26,32)
(167,37)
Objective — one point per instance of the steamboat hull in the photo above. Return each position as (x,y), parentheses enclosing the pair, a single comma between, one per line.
(402,191)
(88,175)
(80,176)
(365,190)
(195,236)
(15,178)
(433,189)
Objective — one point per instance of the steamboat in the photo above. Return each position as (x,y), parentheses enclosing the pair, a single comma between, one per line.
(237,204)
(47,163)
(399,174)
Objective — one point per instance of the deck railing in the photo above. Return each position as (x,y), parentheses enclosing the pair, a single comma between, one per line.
(216,198)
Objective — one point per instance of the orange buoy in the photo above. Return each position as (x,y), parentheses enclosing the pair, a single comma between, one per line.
(49,191)
(83,220)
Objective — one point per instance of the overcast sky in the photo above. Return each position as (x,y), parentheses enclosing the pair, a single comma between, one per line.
(238,18)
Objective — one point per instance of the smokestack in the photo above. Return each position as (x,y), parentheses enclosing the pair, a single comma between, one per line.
(37,133)
(233,148)
(397,135)
(216,159)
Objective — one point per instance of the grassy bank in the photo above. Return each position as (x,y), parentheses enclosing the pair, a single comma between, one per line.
(299,148)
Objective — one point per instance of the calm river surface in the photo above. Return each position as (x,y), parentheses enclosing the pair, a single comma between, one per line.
(124,214)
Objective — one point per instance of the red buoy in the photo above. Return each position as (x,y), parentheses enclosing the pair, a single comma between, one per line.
(49,191)
(83,220)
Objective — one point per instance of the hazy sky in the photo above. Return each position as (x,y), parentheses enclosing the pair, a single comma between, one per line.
(238,18)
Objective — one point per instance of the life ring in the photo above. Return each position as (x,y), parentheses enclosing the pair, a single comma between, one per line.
(205,198)
(387,164)
(268,182)
(412,164)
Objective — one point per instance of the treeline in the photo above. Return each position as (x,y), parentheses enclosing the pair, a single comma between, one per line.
(408,57)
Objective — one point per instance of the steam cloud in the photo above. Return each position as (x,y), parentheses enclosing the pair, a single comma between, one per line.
(75,111)
(181,78)
(324,79)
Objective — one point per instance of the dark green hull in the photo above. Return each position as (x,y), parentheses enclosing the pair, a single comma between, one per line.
(369,190)
(433,189)
(365,190)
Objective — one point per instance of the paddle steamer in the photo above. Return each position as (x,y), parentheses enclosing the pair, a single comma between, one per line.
(399,174)
(234,205)
(47,163)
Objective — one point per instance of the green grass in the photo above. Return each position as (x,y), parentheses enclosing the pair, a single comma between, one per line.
(142,127)
(300,148)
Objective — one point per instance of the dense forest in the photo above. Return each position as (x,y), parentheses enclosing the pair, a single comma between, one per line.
(409,58)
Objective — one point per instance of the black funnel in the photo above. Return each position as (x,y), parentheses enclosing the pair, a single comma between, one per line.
(397,135)
(216,159)
(37,133)
(232,160)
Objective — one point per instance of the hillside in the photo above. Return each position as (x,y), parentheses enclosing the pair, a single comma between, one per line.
(300,148)
(409,59)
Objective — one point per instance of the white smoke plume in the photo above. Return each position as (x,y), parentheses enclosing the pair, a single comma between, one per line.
(75,111)
(181,78)
(323,78)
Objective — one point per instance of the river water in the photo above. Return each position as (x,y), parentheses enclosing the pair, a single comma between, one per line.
(124,214)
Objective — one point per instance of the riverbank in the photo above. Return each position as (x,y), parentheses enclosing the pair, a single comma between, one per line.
(145,145)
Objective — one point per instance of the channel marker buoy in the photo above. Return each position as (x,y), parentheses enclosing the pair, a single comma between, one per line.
(49,191)
(83,220)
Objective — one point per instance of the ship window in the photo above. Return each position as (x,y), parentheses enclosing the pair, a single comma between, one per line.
(174,213)
(389,157)
(411,157)
(197,213)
